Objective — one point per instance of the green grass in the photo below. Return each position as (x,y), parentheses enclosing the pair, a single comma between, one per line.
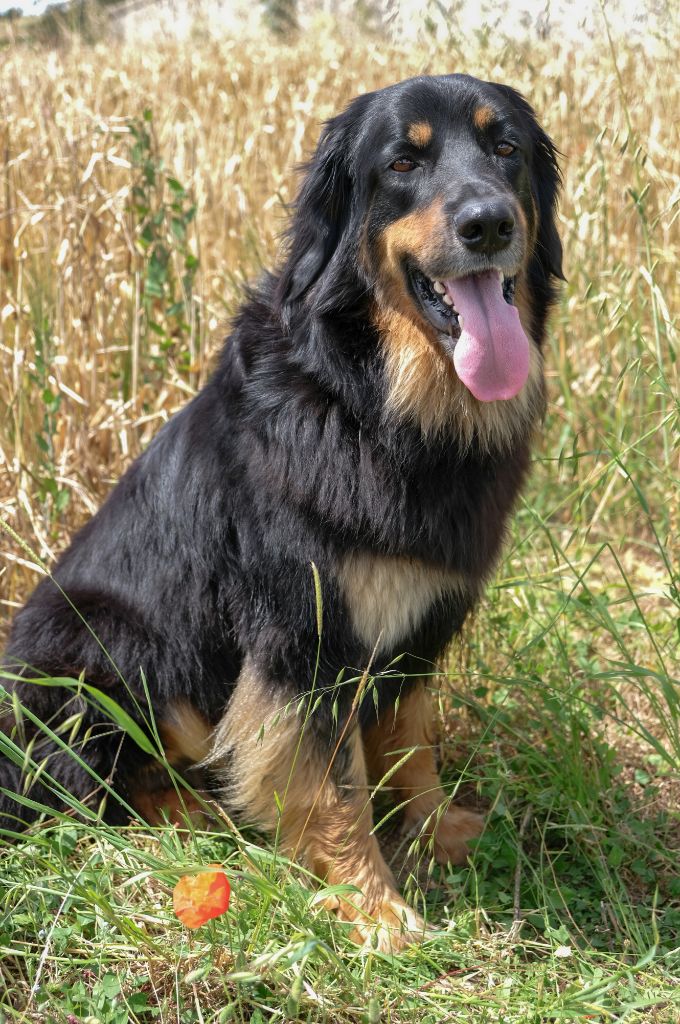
(560,707)
(561,717)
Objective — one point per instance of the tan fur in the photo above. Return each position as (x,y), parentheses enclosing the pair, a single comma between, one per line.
(410,728)
(185,733)
(168,804)
(483,117)
(528,230)
(419,134)
(418,234)
(255,741)
(523,303)
(264,750)
(336,842)
(388,597)
(424,386)
(186,737)
(422,382)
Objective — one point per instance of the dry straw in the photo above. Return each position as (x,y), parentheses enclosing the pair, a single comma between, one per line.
(85,382)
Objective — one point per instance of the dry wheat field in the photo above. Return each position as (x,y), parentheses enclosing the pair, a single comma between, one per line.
(140,189)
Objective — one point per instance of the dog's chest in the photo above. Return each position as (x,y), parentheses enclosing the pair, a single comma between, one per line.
(389,597)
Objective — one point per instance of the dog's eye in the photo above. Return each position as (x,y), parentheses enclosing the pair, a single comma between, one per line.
(403,164)
(504,149)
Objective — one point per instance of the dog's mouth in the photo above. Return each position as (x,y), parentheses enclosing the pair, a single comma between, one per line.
(479,328)
(438,305)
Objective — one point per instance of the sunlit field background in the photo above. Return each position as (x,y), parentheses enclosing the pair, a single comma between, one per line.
(141,187)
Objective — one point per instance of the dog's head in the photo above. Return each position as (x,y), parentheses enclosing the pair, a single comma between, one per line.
(436,199)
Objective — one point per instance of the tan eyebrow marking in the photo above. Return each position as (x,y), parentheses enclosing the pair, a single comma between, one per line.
(419,133)
(483,116)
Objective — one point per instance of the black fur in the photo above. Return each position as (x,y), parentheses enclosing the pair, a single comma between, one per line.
(202,553)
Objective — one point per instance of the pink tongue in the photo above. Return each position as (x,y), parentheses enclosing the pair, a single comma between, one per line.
(491,356)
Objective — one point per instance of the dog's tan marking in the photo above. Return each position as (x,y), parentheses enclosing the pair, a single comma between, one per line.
(528,229)
(252,747)
(418,234)
(410,727)
(260,751)
(424,387)
(388,597)
(158,806)
(185,733)
(419,134)
(483,117)
(524,308)
(186,737)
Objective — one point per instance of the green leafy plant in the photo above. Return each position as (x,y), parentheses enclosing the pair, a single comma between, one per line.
(52,494)
(163,214)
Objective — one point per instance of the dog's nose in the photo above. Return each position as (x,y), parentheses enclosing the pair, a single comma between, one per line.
(485,225)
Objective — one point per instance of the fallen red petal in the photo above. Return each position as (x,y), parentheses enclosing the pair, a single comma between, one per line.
(198,898)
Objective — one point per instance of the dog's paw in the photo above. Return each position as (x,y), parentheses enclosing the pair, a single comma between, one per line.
(388,925)
(452,832)
(170,806)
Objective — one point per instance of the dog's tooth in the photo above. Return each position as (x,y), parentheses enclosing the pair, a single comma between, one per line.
(438,287)
(447,299)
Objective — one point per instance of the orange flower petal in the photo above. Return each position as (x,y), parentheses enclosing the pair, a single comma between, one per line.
(198,898)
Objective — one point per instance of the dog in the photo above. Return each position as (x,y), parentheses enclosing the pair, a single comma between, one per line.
(280,569)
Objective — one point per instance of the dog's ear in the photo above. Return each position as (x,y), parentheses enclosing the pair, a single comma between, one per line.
(322,209)
(546,183)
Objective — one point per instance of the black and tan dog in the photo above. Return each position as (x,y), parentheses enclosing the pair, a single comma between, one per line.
(372,413)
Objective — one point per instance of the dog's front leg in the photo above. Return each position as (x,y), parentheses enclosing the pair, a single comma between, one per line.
(288,773)
(400,747)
